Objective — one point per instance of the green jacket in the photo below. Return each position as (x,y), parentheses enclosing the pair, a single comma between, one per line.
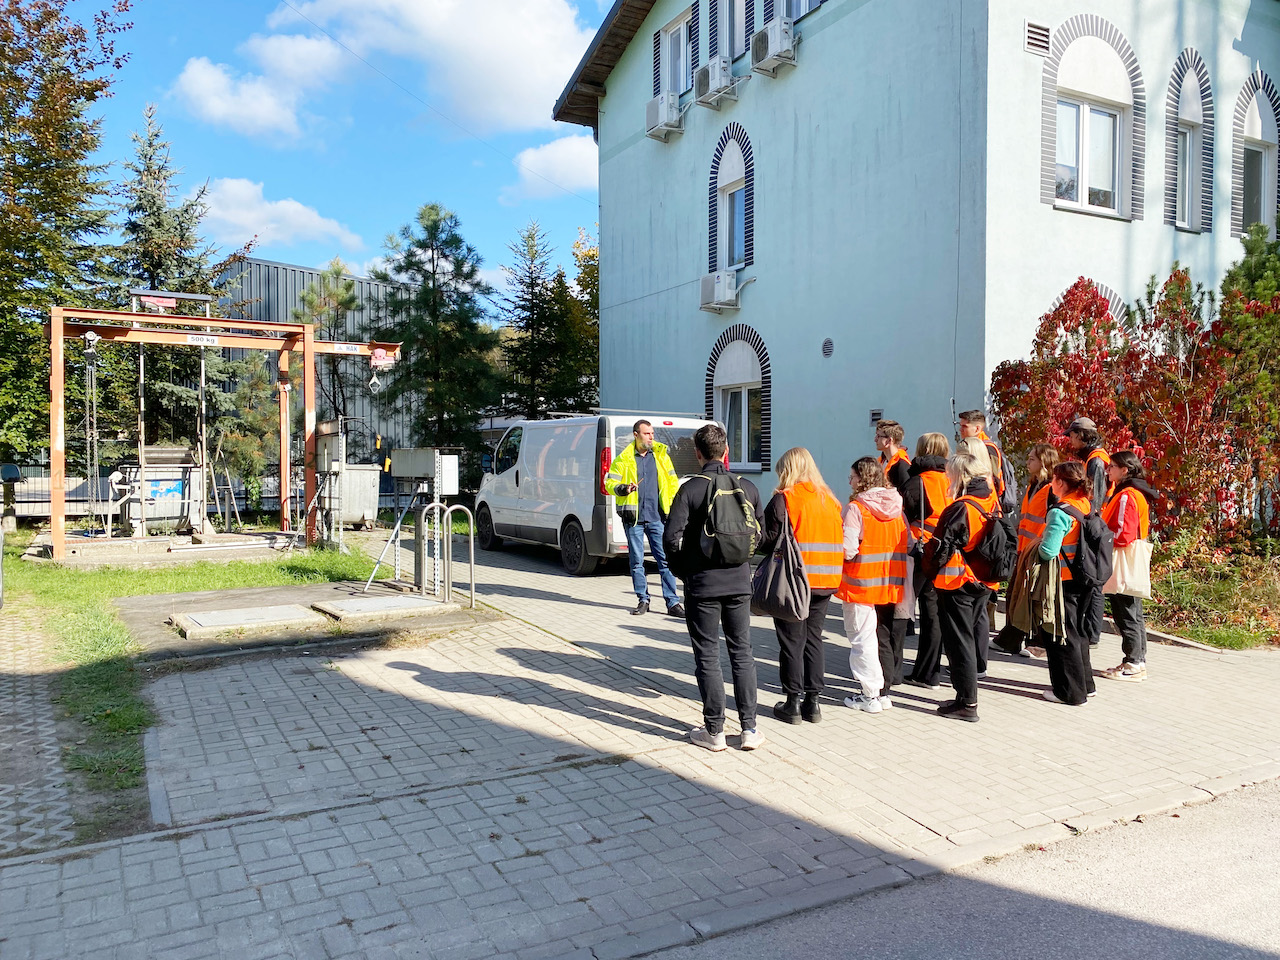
(623,471)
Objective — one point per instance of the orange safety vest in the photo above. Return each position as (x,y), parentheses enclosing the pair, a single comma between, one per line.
(1111,512)
(996,456)
(878,574)
(1071,540)
(1035,513)
(898,457)
(956,572)
(815,518)
(1097,453)
(938,491)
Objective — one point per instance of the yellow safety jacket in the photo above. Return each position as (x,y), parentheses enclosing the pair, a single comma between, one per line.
(623,471)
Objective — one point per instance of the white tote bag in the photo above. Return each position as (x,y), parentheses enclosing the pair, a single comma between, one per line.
(1131,570)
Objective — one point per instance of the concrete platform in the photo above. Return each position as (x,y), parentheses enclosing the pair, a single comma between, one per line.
(218,624)
(368,609)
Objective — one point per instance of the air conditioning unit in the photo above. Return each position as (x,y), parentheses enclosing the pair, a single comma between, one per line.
(662,116)
(772,46)
(720,291)
(713,82)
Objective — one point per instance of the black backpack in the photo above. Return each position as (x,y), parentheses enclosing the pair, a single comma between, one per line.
(1093,560)
(996,554)
(732,530)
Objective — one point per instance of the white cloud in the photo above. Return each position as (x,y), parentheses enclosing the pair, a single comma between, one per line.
(499,65)
(568,164)
(238,211)
(260,103)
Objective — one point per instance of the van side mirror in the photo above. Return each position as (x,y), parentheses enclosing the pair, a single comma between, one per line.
(486,463)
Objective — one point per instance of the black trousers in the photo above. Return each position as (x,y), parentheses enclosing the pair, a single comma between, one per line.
(1070,667)
(982,630)
(802,665)
(959,613)
(704,617)
(891,636)
(929,638)
(1093,617)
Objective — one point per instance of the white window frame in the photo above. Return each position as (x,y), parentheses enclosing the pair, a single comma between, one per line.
(1268,151)
(1085,110)
(1187,171)
(798,8)
(735,15)
(738,393)
(726,225)
(677,70)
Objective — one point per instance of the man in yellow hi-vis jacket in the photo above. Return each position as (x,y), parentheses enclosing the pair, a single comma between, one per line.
(645,482)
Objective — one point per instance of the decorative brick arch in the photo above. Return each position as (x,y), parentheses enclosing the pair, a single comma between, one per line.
(1257,82)
(1119,308)
(742,331)
(1189,63)
(1092,25)
(733,131)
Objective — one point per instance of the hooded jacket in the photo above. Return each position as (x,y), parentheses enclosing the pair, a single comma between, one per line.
(884,503)
(915,502)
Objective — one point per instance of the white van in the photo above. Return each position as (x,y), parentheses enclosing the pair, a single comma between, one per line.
(546,483)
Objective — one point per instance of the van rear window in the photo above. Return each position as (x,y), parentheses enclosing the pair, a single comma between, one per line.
(678,441)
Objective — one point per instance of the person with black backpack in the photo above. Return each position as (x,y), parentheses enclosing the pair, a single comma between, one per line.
(712,529)
(950,558)
(1075,534)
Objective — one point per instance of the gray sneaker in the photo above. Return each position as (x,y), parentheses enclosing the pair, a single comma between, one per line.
(713,742)
(751,739)
(864,703)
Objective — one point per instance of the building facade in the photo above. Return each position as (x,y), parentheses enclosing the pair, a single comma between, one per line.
(875,217)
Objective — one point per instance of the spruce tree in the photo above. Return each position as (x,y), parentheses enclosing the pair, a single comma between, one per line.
(327,304)
(445,376)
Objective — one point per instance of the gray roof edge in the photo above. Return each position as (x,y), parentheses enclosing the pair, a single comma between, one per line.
(587,57)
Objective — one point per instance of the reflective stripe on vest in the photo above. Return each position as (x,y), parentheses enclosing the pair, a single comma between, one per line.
(815,518)
(956,573)
(1035,511)
(878,574)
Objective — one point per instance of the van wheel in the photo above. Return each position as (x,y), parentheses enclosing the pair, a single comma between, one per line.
(484,530)
(573,550)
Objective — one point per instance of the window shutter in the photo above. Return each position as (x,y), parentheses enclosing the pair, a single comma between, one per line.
(657,63)
(750,25)
(693,34)
(768,10)
(713,29)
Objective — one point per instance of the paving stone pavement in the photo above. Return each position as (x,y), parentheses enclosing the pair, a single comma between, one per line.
(511,790)
(35,811)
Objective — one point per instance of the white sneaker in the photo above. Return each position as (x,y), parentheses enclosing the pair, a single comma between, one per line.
(863,703)
(1052,697)
(751,739)
(707,741)
(885,702)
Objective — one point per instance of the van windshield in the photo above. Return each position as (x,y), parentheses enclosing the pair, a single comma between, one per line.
(678,441)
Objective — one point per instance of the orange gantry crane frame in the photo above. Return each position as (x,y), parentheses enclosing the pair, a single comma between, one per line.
(178,330)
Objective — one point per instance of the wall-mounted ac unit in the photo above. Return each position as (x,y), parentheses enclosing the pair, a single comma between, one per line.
(662,116)
(713,82)
(720,291)
(772,46)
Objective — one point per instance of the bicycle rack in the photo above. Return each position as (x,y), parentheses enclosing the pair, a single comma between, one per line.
(442,561)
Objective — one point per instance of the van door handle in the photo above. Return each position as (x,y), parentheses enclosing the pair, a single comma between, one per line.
(517,478)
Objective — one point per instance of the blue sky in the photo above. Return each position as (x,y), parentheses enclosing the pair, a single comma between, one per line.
(318,154)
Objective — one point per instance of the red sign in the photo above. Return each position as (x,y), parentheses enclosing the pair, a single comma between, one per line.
(159,302)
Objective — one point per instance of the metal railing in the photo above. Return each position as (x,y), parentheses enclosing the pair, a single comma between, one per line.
(442,562)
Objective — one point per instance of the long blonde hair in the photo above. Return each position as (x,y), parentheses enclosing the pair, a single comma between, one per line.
(977,449)
(1049,458)
(797,466)
(961,469)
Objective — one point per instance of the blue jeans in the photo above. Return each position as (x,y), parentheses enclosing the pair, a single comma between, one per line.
(635,549)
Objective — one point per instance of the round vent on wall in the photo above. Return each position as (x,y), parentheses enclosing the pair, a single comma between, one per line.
(828,347)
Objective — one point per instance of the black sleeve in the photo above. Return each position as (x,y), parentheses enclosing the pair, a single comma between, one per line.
(775,515)
(913,498)
(677,521)
(952,533)
(899,474)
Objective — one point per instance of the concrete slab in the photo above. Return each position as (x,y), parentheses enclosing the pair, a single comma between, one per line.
(365,608)
(242,621)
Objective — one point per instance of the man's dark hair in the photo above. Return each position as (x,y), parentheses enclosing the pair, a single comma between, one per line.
(1088,437)
(635,427)
(710,441)
(974,416)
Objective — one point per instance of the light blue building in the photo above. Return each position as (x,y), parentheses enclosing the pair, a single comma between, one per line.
(813,214)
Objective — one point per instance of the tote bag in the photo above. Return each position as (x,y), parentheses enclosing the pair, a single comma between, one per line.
(779,587)
(1131,571)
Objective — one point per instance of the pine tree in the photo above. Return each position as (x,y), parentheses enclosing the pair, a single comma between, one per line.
(445,375)
(327,304)
(53,197)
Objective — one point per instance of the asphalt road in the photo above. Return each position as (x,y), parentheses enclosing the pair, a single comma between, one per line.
(1202,884)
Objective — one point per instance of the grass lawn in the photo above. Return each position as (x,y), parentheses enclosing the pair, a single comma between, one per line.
(99,686)
(1229,601)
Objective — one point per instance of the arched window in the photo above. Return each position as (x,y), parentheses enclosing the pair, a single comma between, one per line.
(1094,120)
(1188,146)
(1255,181)
(1119,309)
(739,395)
(731,203)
